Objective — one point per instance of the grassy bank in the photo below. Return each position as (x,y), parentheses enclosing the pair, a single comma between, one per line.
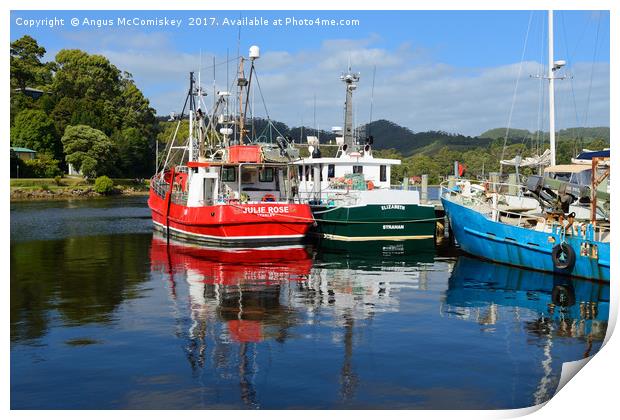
(71,187)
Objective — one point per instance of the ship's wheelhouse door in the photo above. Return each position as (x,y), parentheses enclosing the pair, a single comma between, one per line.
(209,190)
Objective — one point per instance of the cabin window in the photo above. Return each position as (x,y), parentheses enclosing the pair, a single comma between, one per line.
(307,171)
(358,169)
(248,176)
(382,173)
(229,174)
(331,171)
(265,175)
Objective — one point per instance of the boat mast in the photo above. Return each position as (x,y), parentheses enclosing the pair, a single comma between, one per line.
(350,79)
(192,108)
(241,82)
(551,89)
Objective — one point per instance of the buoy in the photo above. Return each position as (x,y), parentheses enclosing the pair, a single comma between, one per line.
(370,185)
(268,197)
(563,256)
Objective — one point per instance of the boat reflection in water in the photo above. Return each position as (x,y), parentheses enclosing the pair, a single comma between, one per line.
(549,308)
(239,286)
(234,297)
(239,298)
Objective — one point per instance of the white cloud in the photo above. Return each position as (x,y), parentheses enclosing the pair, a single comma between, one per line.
(411,88)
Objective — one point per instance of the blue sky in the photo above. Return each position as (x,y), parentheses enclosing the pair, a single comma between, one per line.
(448,70)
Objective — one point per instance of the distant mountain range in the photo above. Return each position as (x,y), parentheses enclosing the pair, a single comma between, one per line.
(389,135)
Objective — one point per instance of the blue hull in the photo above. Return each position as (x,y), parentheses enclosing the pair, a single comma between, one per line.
(519,246)
(475,283)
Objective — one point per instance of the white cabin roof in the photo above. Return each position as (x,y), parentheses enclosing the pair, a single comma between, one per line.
(348,161)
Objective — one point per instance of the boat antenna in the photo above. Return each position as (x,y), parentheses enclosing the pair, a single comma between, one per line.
(314,116)
(227,79)
(214,94)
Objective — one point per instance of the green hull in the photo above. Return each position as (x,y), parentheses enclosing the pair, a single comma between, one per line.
(375,222)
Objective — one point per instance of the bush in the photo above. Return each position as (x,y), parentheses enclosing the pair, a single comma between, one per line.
(104,185)
(43,166)
(58,180)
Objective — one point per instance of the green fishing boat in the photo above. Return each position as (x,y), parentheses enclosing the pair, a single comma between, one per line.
(350,194)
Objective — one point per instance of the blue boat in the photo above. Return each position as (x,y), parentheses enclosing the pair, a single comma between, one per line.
(483,229)
(492,220)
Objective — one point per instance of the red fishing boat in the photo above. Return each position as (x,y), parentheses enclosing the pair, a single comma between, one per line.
(223,186)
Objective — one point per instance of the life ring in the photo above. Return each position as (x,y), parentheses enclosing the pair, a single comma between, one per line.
(268,198)
(370,185)
(563,256)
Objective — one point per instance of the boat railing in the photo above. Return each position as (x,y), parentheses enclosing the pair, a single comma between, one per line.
(179,197)
(159,186)
(491,209)
(338,198)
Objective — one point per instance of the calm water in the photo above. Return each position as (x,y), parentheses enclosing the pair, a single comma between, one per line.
(105,315)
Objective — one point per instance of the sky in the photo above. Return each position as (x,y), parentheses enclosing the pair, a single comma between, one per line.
(455,71)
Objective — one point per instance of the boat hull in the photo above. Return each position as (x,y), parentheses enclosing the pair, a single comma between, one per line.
(375,222)
(518,246)
(232,224)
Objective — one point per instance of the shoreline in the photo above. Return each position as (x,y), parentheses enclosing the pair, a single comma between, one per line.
(27,194)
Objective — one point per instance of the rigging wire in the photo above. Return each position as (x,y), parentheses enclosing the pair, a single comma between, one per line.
(598,29)
(570,60)
(261,94)
(214,65)
(372,97)
(514,95)
(542,99)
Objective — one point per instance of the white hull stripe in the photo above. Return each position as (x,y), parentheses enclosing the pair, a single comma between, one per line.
(229,238)
(373,238)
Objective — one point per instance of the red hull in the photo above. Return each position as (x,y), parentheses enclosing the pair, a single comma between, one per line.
(232,223)
(222,266)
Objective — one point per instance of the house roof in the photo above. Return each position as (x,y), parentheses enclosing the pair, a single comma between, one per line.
(23,150)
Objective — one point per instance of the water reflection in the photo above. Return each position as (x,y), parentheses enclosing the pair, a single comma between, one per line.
(73,281)
(548,308)
(246,296)
(125,320)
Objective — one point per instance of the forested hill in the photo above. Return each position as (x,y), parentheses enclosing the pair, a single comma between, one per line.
(388,135)
(585,133)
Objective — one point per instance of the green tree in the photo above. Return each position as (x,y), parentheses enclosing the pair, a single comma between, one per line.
(424,165)
(35,130)
(44,166)
(89,150)
(82,75)
(93,92)
(135,153)
(27,70)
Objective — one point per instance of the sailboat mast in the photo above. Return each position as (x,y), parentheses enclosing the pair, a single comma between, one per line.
(551,90)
